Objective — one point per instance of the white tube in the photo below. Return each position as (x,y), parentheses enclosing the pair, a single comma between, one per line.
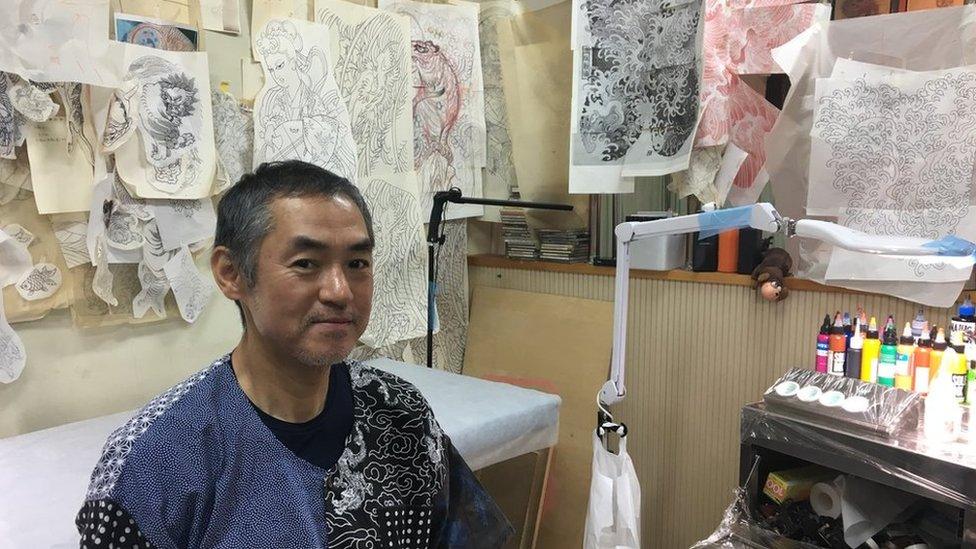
(857,241)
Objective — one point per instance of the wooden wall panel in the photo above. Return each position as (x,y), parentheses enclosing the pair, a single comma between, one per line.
(698,352)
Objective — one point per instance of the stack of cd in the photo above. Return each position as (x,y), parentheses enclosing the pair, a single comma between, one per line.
(519,241)
(569,246)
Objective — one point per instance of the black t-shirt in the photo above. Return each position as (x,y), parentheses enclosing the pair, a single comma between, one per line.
(322,439)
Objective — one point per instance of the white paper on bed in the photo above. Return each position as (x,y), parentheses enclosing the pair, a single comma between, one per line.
(637,113)
(448,100)
(234,139)
(13,355)
(369,53)
(161,125)
(59,41)
(299,113)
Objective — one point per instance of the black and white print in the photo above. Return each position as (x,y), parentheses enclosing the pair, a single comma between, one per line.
(11,121)
(234,134)
(299,113)
(411,477)
(372,70)
(19,233)
(33,102)
(13,355)
(42,281)
(399,298)
(638,79)
(894,155)
(192,291)
(155,286)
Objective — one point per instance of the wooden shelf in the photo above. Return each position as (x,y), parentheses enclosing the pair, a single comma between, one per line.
(502,262)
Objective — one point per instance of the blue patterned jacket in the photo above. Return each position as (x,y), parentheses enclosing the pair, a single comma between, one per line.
(197,468)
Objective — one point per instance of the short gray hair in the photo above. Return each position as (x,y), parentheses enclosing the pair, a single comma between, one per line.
(244,215)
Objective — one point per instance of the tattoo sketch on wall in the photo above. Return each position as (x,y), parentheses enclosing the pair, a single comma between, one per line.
(13,356)
(155,286)
(71,99)
(11,121)
(234,135)
(637,91)
(40,282)
(913,178)
(372,69)
(32,101)
(166,96)
(399,299)
(299,113)
(19,233)
(448,99)
(72,236)
(500,174)
(191,290)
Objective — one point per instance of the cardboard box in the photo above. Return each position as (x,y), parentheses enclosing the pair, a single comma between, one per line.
(795,484)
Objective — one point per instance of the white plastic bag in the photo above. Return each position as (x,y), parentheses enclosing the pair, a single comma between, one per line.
(613,514)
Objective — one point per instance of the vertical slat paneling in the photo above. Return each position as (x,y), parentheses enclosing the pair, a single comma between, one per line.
(697,353)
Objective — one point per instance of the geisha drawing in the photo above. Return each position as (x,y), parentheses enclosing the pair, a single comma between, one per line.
(299,113)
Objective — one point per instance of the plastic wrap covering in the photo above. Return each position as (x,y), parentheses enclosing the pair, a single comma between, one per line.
(943,471)
(844,401)
(739,529)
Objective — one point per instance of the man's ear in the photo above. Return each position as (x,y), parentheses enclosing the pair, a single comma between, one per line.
(226,274)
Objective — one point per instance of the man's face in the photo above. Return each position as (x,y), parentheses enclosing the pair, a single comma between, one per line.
(314,283)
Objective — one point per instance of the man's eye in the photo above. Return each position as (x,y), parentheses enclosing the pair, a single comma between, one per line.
(303,264)
(359,264)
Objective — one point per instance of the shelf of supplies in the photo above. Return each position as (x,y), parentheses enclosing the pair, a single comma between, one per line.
(730,279)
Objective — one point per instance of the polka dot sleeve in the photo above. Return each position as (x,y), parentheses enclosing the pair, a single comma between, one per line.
(104,524)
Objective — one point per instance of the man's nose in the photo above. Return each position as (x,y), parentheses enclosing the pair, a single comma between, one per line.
(334,287)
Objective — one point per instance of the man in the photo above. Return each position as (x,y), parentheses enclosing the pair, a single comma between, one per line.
(283,443)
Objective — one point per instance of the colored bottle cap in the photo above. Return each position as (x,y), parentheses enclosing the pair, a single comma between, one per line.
(873,329)
(838,324)
(967,308)
(924,340)
(956,340)
(825,327)
(857,340)
(940,342)
(906,335)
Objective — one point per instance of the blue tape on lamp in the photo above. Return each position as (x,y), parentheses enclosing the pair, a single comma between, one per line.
(953,245)
(719,221)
